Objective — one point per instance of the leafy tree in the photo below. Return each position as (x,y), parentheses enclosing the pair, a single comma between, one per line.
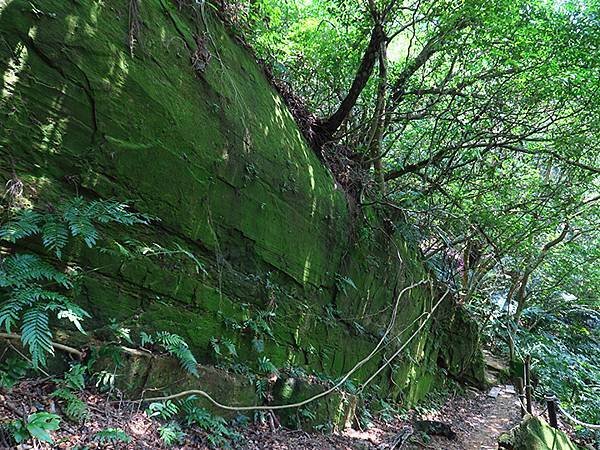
(480,123)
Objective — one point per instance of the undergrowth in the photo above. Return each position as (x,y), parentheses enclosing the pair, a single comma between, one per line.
(33,288)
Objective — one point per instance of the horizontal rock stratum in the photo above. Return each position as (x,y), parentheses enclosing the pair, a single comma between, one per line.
(260,244)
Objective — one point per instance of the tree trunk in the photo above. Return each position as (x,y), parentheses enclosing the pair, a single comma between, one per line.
(326,128)
(375,139)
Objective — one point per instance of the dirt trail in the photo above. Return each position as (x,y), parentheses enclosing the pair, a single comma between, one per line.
(477,421)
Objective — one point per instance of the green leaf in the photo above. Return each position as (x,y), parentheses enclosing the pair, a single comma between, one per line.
(25,224)
(112,435)
(258,344)
(55,234)
(40,423)
(36,335)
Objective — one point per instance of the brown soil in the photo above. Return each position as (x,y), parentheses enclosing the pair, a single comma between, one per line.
(477,419)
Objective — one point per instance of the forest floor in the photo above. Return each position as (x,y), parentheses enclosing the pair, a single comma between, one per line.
(477,419)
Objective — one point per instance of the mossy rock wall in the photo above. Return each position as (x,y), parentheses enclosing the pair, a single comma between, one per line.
(215,155)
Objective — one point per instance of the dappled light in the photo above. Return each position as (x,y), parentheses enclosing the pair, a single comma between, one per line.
(282,224)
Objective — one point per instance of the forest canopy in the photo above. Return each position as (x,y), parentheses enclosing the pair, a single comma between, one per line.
(480,122)
(322,213)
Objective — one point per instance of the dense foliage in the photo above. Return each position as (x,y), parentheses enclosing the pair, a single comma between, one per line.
(480,121)
(30,287)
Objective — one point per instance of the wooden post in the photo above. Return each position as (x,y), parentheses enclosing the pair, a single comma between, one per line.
(552,401)
(528,386)
(519,387)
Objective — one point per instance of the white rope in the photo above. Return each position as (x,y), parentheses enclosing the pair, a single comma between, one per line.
(427,317)
(576,421)
(331,389)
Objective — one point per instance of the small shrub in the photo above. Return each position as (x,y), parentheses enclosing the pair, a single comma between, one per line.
(36,426)
(111,436)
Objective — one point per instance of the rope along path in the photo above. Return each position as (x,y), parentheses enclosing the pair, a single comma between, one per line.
(324,393)
(577,421)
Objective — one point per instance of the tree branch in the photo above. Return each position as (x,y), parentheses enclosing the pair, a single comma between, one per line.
(325,130)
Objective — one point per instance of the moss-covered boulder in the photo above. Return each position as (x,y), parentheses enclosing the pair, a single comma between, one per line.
(535,434)
(337,409)
(256,244)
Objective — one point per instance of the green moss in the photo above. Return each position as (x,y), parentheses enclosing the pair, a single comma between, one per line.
(460,353)
(218,159)
(336,409)
(535,434)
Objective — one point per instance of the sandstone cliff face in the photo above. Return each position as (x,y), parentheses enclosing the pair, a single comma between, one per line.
(252,226)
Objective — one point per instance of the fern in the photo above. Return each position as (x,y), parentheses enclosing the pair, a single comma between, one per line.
(219,433)
(110,211)
(55,234)
(72,383)
(171,433)
(25,297)
(74,379)
(73,407)
(177,347)
(265,365)
(36,335)
(186,359)
(227,343)
(164,410)
(105,379)
(146,339)
(21,269)
(11,371)
(78,217)
(230,346)
(111,436)
(261,387)
(24,224)
(32,288)
(75,217)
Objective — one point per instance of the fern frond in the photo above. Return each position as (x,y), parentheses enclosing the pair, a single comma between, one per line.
(36,335)
(20,269)
(171,433)
(21,299)
(186,359)
(9,315)
(111,435)
(26,279)
(24,224)
(73,407)
(34,293)
(230,346)
(164,410)
(55,234)
(218,432)
(169,339)
(145,338)
(78,217)
(176,346)
(107,211)
(74,379)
